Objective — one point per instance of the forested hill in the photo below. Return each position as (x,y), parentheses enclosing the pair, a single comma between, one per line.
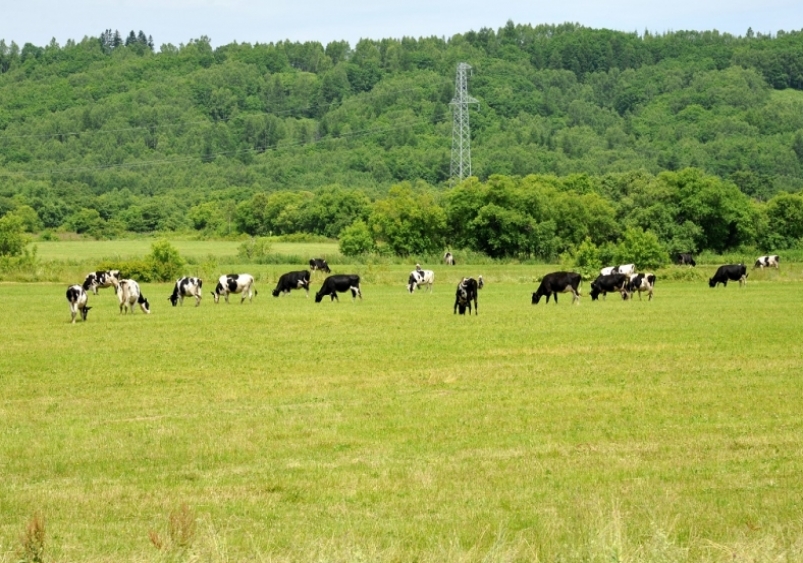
(105,123)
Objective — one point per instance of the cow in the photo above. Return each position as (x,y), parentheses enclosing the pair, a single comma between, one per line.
(319,264)
(607,271)
(420,277)
(448,259)
(466,292)
(558,282)
(626,269)
(480,282)
(292,280)
(77,298)
(732,272)
(186,287)
(686,258)
(609,283)
(641,282)
(771,261)
(235,283)
(101,279)
(128,294)
(340,283)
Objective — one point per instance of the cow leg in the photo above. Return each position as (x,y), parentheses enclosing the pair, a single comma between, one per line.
(476,307)
(556,298)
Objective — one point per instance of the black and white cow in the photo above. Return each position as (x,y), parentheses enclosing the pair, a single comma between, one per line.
(607,271)
(420,277)
(626,269)
(77,297)
(292,280)
(235,283)
(558,282)
(467,291)
(729,272)
(686,258)
(448,259)
(480,282)
(319,264)
(609,283)
(340,284)
(771,261)
(641,282)
(128,294)
(186,287)
(102,279)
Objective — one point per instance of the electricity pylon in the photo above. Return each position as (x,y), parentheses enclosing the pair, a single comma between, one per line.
(461,131)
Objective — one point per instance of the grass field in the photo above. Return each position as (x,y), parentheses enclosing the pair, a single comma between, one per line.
(392,430)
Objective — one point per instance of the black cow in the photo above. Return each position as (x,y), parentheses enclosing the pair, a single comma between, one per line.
(466,292)
(319,264)
(558,282)
(292,280)
(685,258)
(729,272)
(339,283)
(608,284)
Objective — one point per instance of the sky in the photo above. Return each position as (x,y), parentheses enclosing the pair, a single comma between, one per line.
(255,21)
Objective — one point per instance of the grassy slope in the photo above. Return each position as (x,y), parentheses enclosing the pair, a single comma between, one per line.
(391,428)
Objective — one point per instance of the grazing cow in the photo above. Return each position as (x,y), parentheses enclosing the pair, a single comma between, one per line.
(186,287)
(128,294)
(96,280)
(420,277)
(339,283)
(466,292)
(448,259)
(608,271)
(319,264)
(771,261)
(732,272)
(77,297)
(235,283)
(292,280)
(558,282)
(641,282)
(608,284)
(685,258)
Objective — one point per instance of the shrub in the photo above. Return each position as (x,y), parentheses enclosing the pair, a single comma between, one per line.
(356,239)
(12,239)
(165,262)
(643,249)
(254,249)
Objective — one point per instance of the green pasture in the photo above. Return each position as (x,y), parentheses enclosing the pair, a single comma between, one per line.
(393,430)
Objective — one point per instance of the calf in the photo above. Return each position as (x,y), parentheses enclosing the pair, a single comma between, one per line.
(340,284)
(641,282)
(128,294)
(771,261)
(103,279)
(466,292)
(608,284)
(186,287)
(77,297)
(558,282)
(686,258)
(235,283)
(319,264)
(729,272)
(420,277)
(292,280)
(448,259)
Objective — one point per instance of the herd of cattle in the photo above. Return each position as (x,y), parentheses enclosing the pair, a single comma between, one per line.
(621,279)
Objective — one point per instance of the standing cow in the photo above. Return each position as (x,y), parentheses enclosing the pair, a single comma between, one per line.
(467,291)
(128,294)
(771,261)
(606,284)
(558,282)
(686,258)
(77,298)
(319,264)
(186,287)
(729,272)
(641,282)
(420,277)
(235,283)
(292,280)
(448,259)
(101,279)
(340,284)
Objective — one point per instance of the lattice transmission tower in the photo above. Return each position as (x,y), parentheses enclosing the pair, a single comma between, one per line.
(461,131)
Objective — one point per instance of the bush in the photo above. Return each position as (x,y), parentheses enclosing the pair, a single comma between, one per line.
(643,249)
(254,249)
(356,239)
(12,239)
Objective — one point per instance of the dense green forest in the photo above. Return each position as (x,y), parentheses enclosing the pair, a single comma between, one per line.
(581,135)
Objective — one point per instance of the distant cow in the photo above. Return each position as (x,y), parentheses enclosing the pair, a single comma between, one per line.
(480,282)
(319,264)
(77,297)
(235,283)
(558,282)
(771,261)
(339,284)
(686,258)
(641,282)
(729,272)
(466,292)
(102,279)
(186,287)
(420,277)
(292,280)
(608,284)
(448,259)
(128,294)
(626,269)
(607,271)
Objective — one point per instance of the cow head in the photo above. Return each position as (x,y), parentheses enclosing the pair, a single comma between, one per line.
(712,282)
(84,312)
(173,299)
(536,297)
(319,297)
(412,282)
(276,292)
